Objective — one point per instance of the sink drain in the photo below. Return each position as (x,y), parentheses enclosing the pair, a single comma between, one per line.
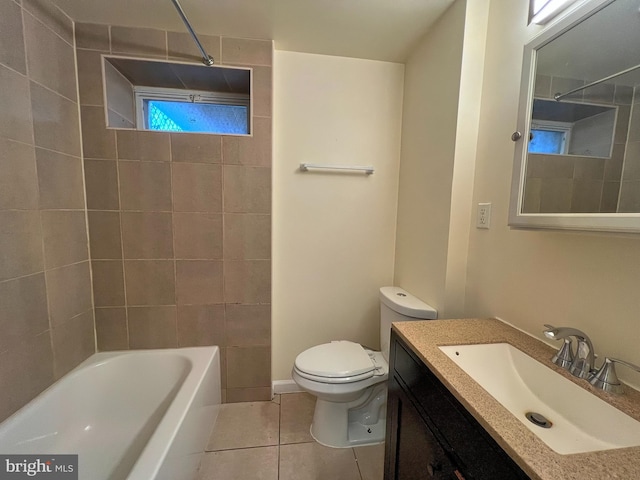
(537,419)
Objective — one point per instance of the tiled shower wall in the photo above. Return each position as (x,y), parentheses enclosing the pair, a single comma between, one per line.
(630,188)
(563,183)
(180,224)
(46,311)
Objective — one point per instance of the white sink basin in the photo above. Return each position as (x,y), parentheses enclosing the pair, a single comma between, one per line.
(581,422)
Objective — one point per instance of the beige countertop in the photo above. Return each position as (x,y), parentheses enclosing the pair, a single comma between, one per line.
(531,453)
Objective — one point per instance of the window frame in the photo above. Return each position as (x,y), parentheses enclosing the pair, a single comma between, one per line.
(143,93)
(565,127)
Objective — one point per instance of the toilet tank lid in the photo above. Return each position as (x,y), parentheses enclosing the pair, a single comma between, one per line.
(404,303)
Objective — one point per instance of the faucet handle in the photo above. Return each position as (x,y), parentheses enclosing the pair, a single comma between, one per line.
(606,379)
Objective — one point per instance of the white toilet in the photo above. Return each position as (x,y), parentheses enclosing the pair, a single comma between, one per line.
(350,381)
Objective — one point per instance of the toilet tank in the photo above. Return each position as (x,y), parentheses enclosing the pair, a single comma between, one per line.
(398,305)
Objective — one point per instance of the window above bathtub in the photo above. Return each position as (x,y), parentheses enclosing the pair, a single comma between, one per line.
(177,97)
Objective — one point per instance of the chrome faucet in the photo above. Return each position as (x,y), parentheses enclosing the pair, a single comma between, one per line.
(583,361)
(606,378)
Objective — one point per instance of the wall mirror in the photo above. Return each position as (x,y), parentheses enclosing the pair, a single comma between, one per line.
(577,158)
(147,94)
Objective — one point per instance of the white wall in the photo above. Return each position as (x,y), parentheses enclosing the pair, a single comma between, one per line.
(586,280)
(440,126)
(333,234)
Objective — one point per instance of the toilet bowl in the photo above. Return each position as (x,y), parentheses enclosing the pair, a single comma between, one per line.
(350,381)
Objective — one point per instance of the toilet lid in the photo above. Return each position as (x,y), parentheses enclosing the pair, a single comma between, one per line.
(335,360)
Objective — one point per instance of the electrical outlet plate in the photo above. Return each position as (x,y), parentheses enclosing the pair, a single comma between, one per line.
(483,219)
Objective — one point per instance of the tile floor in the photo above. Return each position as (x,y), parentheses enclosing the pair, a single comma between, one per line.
(271,441)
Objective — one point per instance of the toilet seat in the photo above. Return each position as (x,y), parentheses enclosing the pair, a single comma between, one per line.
(337,362)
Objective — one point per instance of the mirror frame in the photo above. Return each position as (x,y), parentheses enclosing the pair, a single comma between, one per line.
(618,222)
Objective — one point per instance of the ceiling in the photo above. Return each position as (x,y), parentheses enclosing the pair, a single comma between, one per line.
(373,29)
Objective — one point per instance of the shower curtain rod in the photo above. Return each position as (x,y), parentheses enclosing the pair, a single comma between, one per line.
(206,58)
(560,96)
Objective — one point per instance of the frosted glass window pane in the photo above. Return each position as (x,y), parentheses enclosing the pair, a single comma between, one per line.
(196,117)
(547,141)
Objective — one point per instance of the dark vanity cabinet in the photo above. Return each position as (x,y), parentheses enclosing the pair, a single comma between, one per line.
(430,435)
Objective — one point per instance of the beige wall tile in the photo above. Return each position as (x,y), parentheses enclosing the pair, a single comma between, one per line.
(589,168)
(20,243)
(622,124)
(90,77)
(629,197)
(610,193)
(60,180)
(197,236)
(104,235)
(73,342)
(65,238)
(555,195)
(196,148)
(15,121)
(147,235)
(543,86)
(50,60)
(586,196)
(200,325)
(69,292)
(55,121)
(247,189)
(198,282)
(248,367)
(308,461)
(245,425)
(182,47)
(24,310)
(11,37)
(246,52)
(145,186)
(531,202)
(248,325)
(623,95)
(247,281)
(152,327)
(234,395)
(151,146)
(603,93)
(150,282)
(613,165)
(631,168)
(92,36)
(52,17)
(108,283)
(34,356)
(247,236)
(262,91)
(101,178)
(18,181)
(196,187)
(256,463)
(254,150)
(97,141)
(141,41)
(111,329)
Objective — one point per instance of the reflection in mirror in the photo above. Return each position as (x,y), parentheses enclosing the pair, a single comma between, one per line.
(583,154)
(177,97)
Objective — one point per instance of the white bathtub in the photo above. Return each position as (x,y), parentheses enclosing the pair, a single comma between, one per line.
(137,415)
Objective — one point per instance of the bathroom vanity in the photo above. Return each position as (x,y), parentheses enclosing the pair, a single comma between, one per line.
(441,424)
(430,434)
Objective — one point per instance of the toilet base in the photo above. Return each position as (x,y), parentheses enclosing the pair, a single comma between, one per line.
(345,425)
